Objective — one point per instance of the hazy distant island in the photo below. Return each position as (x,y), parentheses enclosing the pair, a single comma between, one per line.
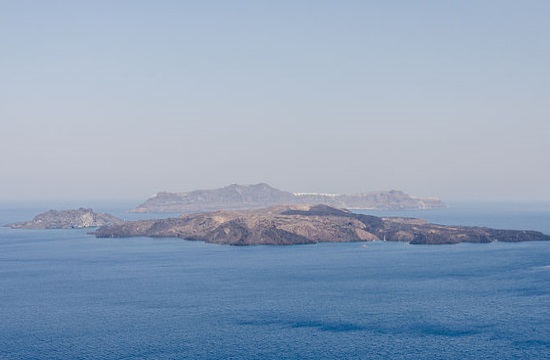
(299,224)
(67,219)
(261,195)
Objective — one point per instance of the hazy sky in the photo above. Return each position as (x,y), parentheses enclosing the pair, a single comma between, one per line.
(122,99)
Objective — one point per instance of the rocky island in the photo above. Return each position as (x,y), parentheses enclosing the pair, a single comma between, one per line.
(68,219)
(299,224)
(235,196)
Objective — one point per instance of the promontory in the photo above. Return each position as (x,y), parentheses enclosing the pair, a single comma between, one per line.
(307,224)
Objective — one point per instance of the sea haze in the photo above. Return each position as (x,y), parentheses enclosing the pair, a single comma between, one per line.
(66,295)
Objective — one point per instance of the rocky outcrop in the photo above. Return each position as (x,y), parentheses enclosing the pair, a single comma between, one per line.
(286,225)
(68,219)
(234,197)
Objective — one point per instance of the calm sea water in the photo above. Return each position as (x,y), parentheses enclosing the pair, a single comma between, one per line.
(67,295)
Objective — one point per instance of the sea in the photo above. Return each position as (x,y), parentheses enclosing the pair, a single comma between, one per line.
(66,295)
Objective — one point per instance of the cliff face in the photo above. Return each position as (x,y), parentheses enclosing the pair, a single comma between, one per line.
(286,225)
(68,219)
(261,195)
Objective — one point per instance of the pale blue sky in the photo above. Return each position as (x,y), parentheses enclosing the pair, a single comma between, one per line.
(121,99)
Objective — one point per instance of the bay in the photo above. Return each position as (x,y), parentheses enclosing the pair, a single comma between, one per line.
(66,295)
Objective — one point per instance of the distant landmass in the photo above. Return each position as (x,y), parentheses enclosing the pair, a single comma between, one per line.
(235,197)
(68,219)
(287,225)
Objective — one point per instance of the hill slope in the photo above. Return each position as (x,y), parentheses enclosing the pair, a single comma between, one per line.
(287,225)
(261,195)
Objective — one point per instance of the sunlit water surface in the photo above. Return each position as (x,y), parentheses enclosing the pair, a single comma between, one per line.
(67,295)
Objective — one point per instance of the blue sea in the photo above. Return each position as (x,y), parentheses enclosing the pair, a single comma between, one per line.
(67,295)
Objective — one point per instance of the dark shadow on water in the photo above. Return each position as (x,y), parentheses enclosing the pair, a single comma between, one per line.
(532,343)
(328,326)
(441,330)
(420,330)
(334,327)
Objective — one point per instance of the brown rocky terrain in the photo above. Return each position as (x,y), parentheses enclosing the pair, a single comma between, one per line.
(286,225)
(68,219)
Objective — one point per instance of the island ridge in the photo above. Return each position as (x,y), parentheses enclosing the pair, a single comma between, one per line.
(288,225)
(261,195)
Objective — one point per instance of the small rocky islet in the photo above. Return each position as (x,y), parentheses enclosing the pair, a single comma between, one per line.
(68,219)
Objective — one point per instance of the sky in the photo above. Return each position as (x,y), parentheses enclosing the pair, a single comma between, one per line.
(122,99)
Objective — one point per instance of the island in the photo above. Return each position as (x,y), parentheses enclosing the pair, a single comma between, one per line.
(68,219)
(261,195)
(308,224)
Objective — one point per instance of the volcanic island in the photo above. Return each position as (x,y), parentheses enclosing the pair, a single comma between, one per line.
(307,224)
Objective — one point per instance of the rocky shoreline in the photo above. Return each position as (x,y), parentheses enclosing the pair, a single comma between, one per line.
(288,225)
(68,219)
(278,225)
